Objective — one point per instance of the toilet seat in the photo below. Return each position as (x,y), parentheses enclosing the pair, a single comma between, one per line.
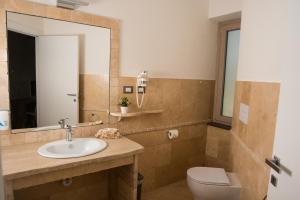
(209,176)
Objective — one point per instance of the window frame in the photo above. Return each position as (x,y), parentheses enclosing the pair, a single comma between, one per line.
(223,30)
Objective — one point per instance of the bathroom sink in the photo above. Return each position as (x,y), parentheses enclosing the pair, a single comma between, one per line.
(76,148)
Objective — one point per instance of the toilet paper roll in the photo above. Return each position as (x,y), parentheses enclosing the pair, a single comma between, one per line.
(173,134)
(4,120)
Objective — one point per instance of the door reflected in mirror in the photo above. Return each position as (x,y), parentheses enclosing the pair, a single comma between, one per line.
(57,70)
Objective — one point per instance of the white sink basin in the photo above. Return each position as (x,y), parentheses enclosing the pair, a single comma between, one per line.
(77,148)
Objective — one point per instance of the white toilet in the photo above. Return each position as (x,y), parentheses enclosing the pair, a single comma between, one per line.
(208,183)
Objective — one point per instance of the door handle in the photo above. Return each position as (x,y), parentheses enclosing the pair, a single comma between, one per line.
(274,164)
(277,166)
(72,95)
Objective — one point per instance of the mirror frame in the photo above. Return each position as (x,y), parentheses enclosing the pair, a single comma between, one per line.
(52,12)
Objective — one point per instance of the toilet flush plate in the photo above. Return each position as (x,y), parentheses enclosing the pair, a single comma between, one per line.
(244,113)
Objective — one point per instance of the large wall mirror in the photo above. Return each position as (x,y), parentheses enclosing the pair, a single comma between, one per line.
(57,70)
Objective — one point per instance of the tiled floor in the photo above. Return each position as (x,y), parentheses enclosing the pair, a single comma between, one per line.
(175,191)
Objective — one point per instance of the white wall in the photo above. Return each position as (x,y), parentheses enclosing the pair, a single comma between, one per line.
(262,40)
(25,24)
(220,8)
(262,36)
(169,38)
(94,44)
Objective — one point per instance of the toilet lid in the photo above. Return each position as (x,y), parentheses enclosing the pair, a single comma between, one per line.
(209,176)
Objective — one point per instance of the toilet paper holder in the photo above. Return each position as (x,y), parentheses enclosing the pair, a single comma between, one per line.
(173,134)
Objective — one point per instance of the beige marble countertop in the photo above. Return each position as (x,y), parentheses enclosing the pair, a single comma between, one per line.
(23,160)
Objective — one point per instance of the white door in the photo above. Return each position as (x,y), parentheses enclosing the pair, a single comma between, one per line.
(287,138)
(57,79)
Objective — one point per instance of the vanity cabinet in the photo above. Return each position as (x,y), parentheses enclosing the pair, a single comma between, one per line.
(24,168)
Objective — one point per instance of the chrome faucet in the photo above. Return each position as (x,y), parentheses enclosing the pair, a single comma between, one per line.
(69,133)
(62,122)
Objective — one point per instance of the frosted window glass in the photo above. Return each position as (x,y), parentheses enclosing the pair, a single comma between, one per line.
(232,54)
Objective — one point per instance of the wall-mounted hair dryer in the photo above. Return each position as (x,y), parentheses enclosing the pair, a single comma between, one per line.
(141,81)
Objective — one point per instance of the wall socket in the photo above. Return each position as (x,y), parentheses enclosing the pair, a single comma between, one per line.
(141,89)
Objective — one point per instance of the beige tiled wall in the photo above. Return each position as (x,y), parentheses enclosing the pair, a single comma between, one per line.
(253,143)
(187,105)
(93,97)
(166,161)
(262,99)
(218,144)
(182,101)
(247,146)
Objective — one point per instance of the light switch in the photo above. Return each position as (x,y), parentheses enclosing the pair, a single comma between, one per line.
(127,89)
(244,112)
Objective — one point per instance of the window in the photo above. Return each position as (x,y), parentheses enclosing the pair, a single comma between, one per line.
(228,53)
